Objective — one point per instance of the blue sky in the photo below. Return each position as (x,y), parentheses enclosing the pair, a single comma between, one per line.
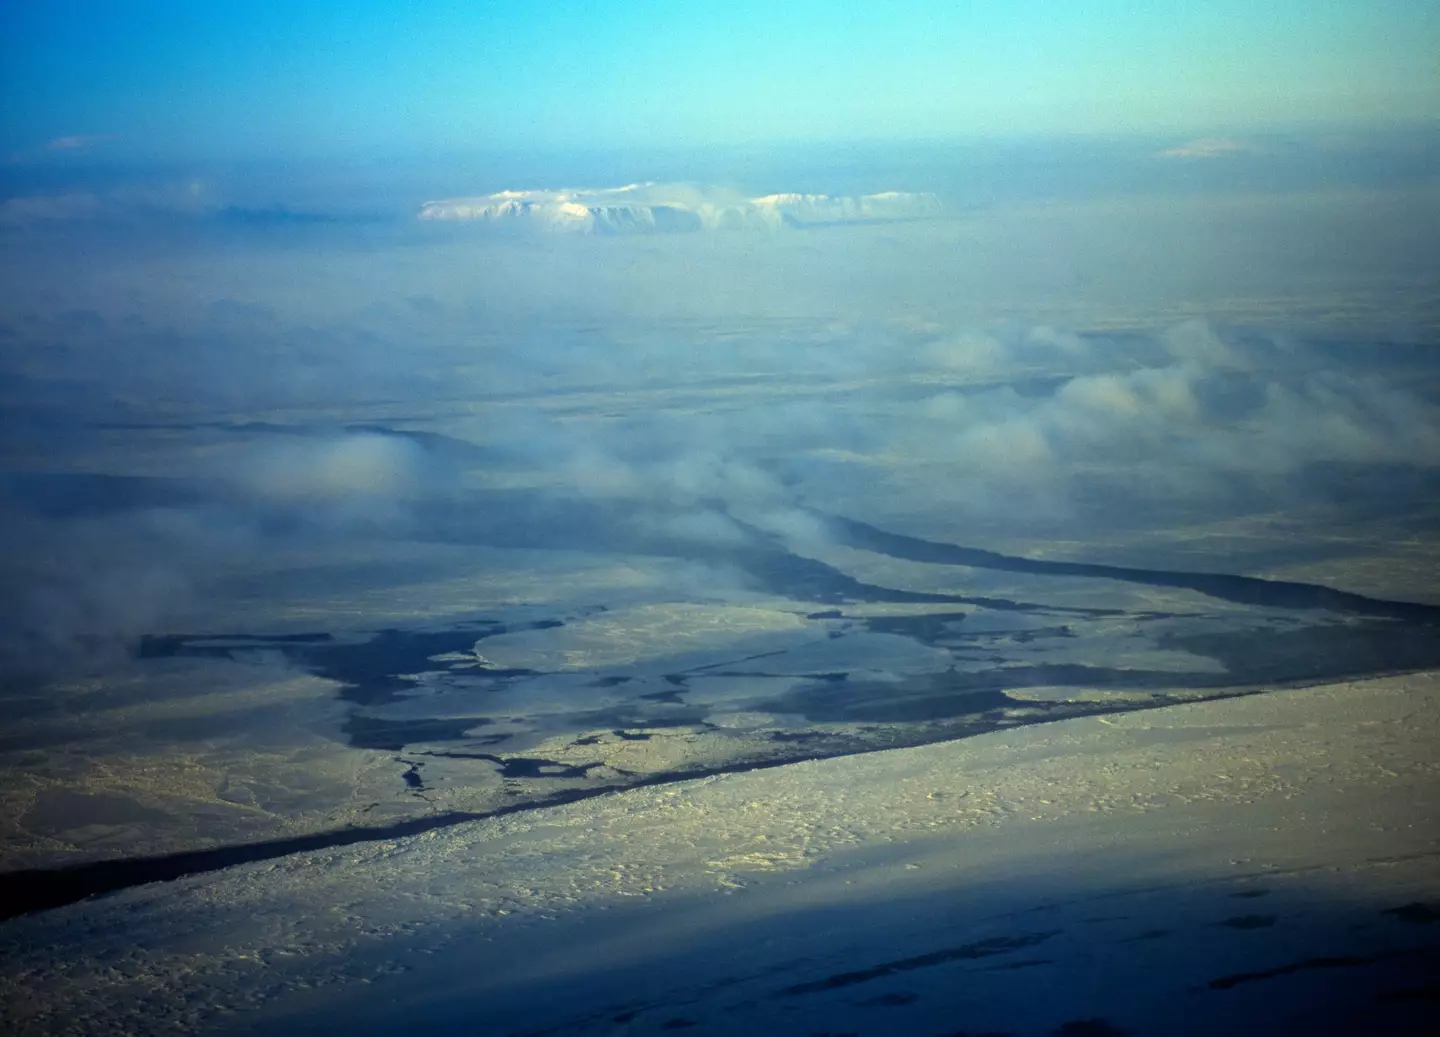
(188,80)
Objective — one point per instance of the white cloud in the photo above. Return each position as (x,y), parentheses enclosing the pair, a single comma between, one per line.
(189,197)
(1206,147)
(1195,341)
(1211,409)
(365,467)
(78,141)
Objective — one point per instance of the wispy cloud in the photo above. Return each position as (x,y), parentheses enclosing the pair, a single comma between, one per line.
(78,141)
(1207,147)
(125,202)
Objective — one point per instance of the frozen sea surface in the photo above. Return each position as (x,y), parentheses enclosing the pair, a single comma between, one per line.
(1264,864)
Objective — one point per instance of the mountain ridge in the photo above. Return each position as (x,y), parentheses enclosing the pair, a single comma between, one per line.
(669,208)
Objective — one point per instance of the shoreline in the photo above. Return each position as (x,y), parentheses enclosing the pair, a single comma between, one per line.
(31,891)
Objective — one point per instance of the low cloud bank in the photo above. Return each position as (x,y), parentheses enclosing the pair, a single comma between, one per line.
(92,562)
(169,410)
(1189,416)
(1032,427)
(1238,425)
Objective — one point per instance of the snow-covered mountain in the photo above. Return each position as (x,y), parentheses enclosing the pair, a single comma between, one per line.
(642,208)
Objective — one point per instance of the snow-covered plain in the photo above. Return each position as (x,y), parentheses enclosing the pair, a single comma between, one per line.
(894,626)
(1263,864)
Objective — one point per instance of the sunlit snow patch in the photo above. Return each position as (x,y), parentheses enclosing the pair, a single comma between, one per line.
(666,208)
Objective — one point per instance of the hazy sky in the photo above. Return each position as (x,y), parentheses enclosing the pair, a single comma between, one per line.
(174,79)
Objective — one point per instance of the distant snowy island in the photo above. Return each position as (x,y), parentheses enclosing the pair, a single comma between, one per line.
(662,208)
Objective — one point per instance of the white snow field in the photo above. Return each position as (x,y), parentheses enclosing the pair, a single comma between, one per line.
(1263,864)
(651,208)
